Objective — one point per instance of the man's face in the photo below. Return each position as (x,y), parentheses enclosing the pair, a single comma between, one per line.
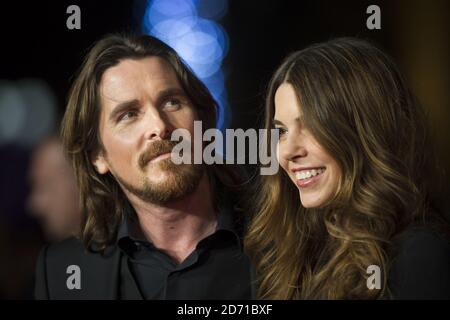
(142,102)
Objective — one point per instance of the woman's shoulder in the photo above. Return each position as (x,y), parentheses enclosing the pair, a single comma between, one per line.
(420,239)
(420,264)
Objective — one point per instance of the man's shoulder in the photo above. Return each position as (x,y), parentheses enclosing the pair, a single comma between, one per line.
(65,247)
(72,250)
(67,270)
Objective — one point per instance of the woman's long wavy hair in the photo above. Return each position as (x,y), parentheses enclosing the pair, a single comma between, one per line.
(359,108)
(102,202)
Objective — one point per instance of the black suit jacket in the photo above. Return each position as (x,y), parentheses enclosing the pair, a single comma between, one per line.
(99,275)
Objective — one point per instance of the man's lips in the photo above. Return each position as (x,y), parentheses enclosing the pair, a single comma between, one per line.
(160,157)
(156,151)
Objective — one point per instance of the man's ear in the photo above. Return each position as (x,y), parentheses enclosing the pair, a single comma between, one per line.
(99,162)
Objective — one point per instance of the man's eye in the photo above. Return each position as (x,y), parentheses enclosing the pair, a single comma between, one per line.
(172,104)
(128,115)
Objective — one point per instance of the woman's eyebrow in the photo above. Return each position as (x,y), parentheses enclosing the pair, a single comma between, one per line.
(278,122)
(275,122)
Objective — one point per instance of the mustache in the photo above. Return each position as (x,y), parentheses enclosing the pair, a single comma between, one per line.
(156,149)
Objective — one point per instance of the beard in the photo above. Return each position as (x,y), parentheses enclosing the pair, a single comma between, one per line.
(181,181)
(178,181)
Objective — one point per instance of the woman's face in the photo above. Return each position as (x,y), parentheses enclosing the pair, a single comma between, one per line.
(315,173)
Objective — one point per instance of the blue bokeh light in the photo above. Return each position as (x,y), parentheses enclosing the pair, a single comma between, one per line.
(187,26)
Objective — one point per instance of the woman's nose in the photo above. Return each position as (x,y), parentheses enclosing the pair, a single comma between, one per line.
(293,148)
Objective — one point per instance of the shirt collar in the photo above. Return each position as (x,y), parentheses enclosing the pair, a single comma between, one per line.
(129,228)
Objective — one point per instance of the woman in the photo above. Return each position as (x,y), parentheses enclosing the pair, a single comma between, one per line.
(356,186)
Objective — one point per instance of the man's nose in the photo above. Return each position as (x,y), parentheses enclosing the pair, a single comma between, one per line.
(157,125)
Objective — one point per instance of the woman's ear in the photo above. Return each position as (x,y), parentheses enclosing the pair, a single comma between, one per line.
(99,162)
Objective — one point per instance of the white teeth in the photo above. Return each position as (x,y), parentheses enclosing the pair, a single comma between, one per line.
(305,174)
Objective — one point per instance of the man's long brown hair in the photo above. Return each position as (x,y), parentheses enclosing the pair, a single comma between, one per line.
(102,201)
(360,110)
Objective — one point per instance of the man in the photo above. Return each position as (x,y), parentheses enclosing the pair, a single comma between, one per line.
(151,229)
(54,193)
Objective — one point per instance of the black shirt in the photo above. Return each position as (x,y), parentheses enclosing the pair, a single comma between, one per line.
(216,269)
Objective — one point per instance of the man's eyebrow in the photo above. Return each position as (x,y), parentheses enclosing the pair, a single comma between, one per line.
(122,106)
(163,94)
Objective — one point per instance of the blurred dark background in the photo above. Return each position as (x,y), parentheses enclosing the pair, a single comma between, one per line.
(39,57)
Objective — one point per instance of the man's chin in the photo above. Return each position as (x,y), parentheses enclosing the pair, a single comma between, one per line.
(165,181)
(160,177)
(162,170)
(163,164)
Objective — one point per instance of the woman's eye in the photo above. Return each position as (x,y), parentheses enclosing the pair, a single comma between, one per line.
(281,132)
